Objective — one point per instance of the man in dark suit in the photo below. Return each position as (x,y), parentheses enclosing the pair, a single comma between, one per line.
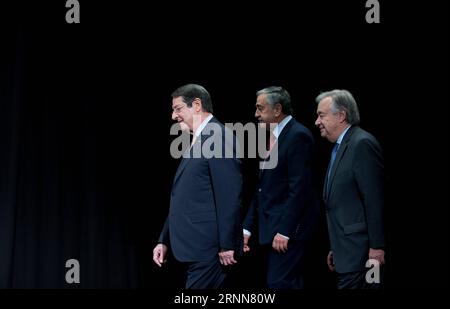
(203,227)
(285,204)
(353,191)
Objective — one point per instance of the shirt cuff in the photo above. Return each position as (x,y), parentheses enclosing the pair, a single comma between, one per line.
(283,236)
(247,232)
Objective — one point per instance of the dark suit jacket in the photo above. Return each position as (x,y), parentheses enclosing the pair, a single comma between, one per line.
(285,201)
(354,200)
(204,214)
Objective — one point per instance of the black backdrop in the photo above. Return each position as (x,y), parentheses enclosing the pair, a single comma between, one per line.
(85,168)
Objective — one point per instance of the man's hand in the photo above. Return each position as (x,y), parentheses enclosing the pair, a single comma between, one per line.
(330,261)
(377,254)
(246,247)
(227,257)
(280,243)
(159,254)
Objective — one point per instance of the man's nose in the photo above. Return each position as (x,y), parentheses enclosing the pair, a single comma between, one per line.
(317,123)
(256,114)
(174,116)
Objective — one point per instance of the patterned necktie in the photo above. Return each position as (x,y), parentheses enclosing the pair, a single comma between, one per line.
(272,141)
(269,144)
(194,138)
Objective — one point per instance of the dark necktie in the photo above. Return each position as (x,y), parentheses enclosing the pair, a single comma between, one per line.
(330,166)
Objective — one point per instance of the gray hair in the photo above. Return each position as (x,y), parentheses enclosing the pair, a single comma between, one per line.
(342,100)
(276,95)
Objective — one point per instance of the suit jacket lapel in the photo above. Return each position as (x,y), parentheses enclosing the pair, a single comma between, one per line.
(262,171)
(277,143)
(341,151)
(182,165)
(339,155)
(190,152)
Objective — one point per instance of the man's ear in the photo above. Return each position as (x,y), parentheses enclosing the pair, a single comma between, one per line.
(342,116)
(197,104)
(277,109)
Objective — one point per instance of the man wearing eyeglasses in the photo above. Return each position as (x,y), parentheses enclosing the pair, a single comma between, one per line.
(353,192)
(203,228)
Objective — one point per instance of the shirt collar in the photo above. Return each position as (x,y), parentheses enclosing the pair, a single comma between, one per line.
(280,126)
(341,137)
(203,125)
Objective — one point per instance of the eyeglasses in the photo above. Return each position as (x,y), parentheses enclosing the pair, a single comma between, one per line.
(178,109)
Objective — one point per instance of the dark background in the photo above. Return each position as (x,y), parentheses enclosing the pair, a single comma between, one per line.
(85,168)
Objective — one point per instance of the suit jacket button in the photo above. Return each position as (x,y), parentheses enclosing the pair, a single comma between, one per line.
(259,189)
